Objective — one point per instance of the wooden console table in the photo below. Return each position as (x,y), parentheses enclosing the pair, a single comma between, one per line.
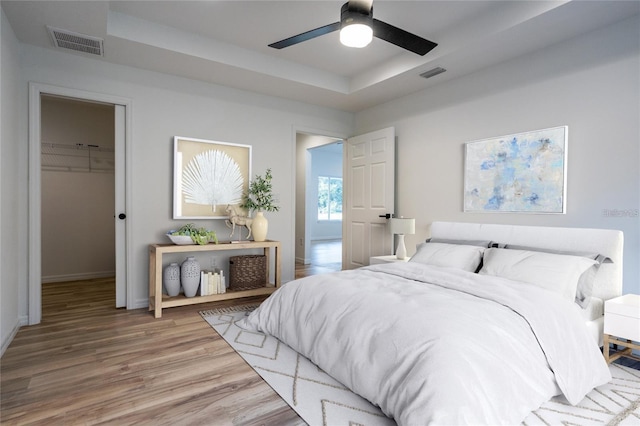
(157,300)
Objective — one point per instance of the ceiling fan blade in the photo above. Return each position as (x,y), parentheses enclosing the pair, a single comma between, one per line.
(306,36)
(402,38)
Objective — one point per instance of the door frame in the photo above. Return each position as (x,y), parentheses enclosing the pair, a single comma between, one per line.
(34,302)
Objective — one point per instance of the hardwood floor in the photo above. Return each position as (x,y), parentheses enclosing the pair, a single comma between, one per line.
(326,256)
(89,363)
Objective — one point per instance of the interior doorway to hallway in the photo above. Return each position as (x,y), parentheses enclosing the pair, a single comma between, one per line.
(318,231)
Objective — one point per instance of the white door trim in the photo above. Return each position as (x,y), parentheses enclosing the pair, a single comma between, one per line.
(35,244)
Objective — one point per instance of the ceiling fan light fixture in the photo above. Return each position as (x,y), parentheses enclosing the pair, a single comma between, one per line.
(356,35)
(357,27)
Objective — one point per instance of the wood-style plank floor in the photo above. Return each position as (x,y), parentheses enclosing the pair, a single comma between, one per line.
(325,256)
(89,363)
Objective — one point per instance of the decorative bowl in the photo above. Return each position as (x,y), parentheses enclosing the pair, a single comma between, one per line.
(181,240)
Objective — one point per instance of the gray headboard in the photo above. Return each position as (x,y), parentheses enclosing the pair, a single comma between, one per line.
(607,242)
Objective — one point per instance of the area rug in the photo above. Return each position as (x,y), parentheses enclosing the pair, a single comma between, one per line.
(321,400)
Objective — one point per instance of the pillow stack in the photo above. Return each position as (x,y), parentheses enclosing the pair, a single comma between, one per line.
(569,274)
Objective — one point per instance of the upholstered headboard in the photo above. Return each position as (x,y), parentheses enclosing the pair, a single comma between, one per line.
(607,242)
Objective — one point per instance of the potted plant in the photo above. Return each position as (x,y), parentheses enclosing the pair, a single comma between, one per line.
(259,197)
(192,234)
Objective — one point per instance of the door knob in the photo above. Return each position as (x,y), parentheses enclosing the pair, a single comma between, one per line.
(122,216)
(386,216)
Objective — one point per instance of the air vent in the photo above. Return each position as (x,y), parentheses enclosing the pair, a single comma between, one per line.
(433,72)
(74,41)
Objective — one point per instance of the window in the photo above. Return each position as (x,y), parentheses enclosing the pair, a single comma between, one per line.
(329,198)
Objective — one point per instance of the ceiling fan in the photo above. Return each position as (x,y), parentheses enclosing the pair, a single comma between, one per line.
(357,27)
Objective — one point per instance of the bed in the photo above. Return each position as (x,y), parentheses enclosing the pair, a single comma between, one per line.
(483,324)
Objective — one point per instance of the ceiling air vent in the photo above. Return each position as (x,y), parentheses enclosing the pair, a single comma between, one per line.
(74,41)
(432,72)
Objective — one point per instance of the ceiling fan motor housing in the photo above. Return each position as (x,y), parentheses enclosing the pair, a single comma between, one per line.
(354,16)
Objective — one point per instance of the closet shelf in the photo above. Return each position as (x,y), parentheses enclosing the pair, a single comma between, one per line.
(77,157)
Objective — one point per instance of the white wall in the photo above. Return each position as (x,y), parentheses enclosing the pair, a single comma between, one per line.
(13,187)
(591,84)
(165,106)
(78,227)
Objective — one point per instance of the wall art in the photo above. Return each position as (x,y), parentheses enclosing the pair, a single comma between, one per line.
(207,176)
(519,173)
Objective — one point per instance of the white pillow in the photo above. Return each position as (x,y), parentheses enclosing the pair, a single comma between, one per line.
(588,277)
(451,255)
(556,272)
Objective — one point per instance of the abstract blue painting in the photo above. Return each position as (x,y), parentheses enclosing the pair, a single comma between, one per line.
(520,173)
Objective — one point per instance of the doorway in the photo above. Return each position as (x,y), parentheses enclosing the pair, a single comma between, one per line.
(318,231)
(78,190)
(122,120)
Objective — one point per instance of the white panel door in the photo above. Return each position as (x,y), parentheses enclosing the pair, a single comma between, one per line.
(368,195)
(120,208)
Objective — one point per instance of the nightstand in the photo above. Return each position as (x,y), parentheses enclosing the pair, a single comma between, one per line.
(622,320)
(375,260)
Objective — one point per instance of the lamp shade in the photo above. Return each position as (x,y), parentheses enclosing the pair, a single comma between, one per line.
(402,226)
(356,25)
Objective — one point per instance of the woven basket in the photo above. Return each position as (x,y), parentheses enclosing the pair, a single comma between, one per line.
(246,272)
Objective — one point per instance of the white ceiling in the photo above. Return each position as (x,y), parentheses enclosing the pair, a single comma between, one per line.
(225,42)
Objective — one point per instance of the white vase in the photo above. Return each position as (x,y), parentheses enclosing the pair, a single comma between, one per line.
(171,279)
(259,227)
(190,276)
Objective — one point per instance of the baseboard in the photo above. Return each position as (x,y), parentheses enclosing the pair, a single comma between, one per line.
(78,277)
(304,261)
(7,341)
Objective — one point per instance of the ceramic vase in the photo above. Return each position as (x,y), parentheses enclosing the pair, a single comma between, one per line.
(190,276)
(259,227)
(171,279)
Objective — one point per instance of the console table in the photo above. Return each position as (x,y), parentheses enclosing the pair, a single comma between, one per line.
(158,301)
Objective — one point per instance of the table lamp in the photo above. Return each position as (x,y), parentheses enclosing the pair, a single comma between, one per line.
(401,226)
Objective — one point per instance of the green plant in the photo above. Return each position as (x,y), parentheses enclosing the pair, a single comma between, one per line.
(259,196)
(200,236)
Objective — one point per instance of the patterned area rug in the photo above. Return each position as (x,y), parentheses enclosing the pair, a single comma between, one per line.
(321,400)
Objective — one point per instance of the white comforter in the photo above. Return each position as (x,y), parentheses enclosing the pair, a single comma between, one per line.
(436,345)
